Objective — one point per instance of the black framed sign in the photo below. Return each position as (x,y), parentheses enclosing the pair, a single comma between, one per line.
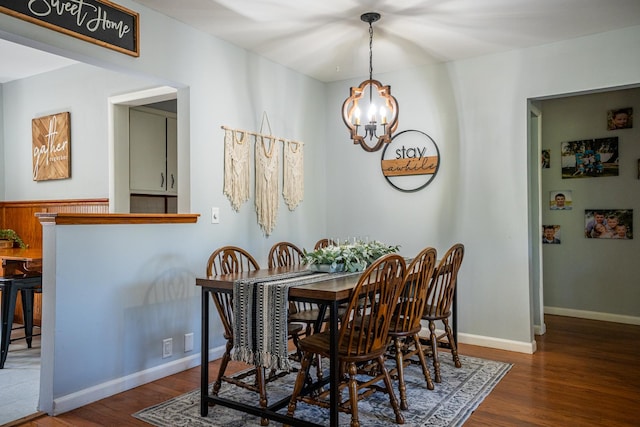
(97,21)
(410,161)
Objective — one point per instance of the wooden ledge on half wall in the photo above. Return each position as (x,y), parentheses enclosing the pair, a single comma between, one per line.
(115,218)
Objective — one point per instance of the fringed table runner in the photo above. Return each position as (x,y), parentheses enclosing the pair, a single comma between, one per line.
(261,317)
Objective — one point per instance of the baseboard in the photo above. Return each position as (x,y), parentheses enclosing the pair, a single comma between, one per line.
(593,315)
(499,343)
(93,394)
(491,342)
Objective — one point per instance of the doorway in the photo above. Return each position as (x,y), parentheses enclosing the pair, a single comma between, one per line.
(160,98)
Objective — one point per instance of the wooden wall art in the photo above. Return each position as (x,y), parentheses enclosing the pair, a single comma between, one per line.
(51,147)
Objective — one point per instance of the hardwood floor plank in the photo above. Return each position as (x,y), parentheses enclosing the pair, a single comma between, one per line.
(585,373)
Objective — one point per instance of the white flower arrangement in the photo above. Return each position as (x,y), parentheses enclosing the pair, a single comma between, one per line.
(348,257)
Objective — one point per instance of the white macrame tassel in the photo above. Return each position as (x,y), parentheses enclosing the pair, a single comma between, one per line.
(266,182)
(293,186)
(236,168)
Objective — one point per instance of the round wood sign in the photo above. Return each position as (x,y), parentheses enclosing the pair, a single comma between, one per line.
(410,161)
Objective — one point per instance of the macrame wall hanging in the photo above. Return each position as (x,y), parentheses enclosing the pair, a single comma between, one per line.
(236,167)
(267,154)
(293,188)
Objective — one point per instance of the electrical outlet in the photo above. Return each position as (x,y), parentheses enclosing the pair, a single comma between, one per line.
(215,215)
(167,347)
(188,342)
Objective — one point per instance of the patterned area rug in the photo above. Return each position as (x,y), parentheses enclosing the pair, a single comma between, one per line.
(450,404)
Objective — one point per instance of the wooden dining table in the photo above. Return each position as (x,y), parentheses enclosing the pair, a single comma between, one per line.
(329,293)
(18,260)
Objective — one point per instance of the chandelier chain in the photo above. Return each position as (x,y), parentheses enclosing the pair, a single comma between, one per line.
(370,51)
(370,61)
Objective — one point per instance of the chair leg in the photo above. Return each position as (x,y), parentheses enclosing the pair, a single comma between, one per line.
(452,343)
(27,314)
(262,388)
(402,387)
(353,395)
(9,296)
(305,364)
(226,357)
(434,351)
(392,396)
(423,363)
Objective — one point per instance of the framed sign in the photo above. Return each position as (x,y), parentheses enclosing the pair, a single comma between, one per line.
(97,21)
(410,161)
(51,147)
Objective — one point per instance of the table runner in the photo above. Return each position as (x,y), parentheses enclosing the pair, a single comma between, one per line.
(261,317)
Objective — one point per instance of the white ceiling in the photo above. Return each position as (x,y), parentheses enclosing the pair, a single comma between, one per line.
(327,40)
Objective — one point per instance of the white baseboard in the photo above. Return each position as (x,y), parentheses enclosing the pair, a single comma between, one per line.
(593,315)
(499,343)
(93,394)
(491,342)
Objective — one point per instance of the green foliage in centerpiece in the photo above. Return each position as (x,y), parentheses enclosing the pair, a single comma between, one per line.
(9,234)
(349,257)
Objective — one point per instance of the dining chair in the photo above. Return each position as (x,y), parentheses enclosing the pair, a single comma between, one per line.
(323,243)
(405,323)
(438,305)
(363,337)
(285,254)
(232,259)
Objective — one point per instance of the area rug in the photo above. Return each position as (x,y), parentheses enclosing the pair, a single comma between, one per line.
(450,404)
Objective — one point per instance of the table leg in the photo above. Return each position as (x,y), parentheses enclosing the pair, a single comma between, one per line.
(204,355)
(333,365)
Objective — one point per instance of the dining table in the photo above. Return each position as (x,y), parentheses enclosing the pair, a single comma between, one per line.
(20,260)
(328,293)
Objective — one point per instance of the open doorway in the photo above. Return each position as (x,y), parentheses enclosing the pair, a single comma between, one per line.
(152,106)
(535,214)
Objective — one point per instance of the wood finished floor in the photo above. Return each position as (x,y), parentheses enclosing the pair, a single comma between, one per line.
(585,373)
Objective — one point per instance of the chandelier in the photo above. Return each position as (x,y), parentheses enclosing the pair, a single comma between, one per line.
(382,110)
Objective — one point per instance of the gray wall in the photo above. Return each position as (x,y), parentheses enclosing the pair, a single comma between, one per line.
(113,292)
(591,277)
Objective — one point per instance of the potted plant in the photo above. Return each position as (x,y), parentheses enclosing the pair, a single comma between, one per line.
(349,257)
(11,237)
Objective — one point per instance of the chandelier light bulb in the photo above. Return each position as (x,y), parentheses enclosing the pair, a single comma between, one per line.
(356,114)
(372,113)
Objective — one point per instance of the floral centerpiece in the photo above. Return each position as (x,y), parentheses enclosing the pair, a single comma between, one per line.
(349,257)
(11,236)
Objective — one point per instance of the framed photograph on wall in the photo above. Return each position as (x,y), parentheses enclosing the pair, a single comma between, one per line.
(560,200)
(620,118)
(608,224)
(590,158)
(545,159)
(551,234)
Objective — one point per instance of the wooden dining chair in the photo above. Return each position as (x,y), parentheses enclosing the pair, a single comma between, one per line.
(405,323)
(285,254)
(362,341)
(438,305)
(323,243)
(232,259)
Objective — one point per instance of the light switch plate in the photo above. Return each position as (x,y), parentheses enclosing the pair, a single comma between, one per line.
(215,215)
